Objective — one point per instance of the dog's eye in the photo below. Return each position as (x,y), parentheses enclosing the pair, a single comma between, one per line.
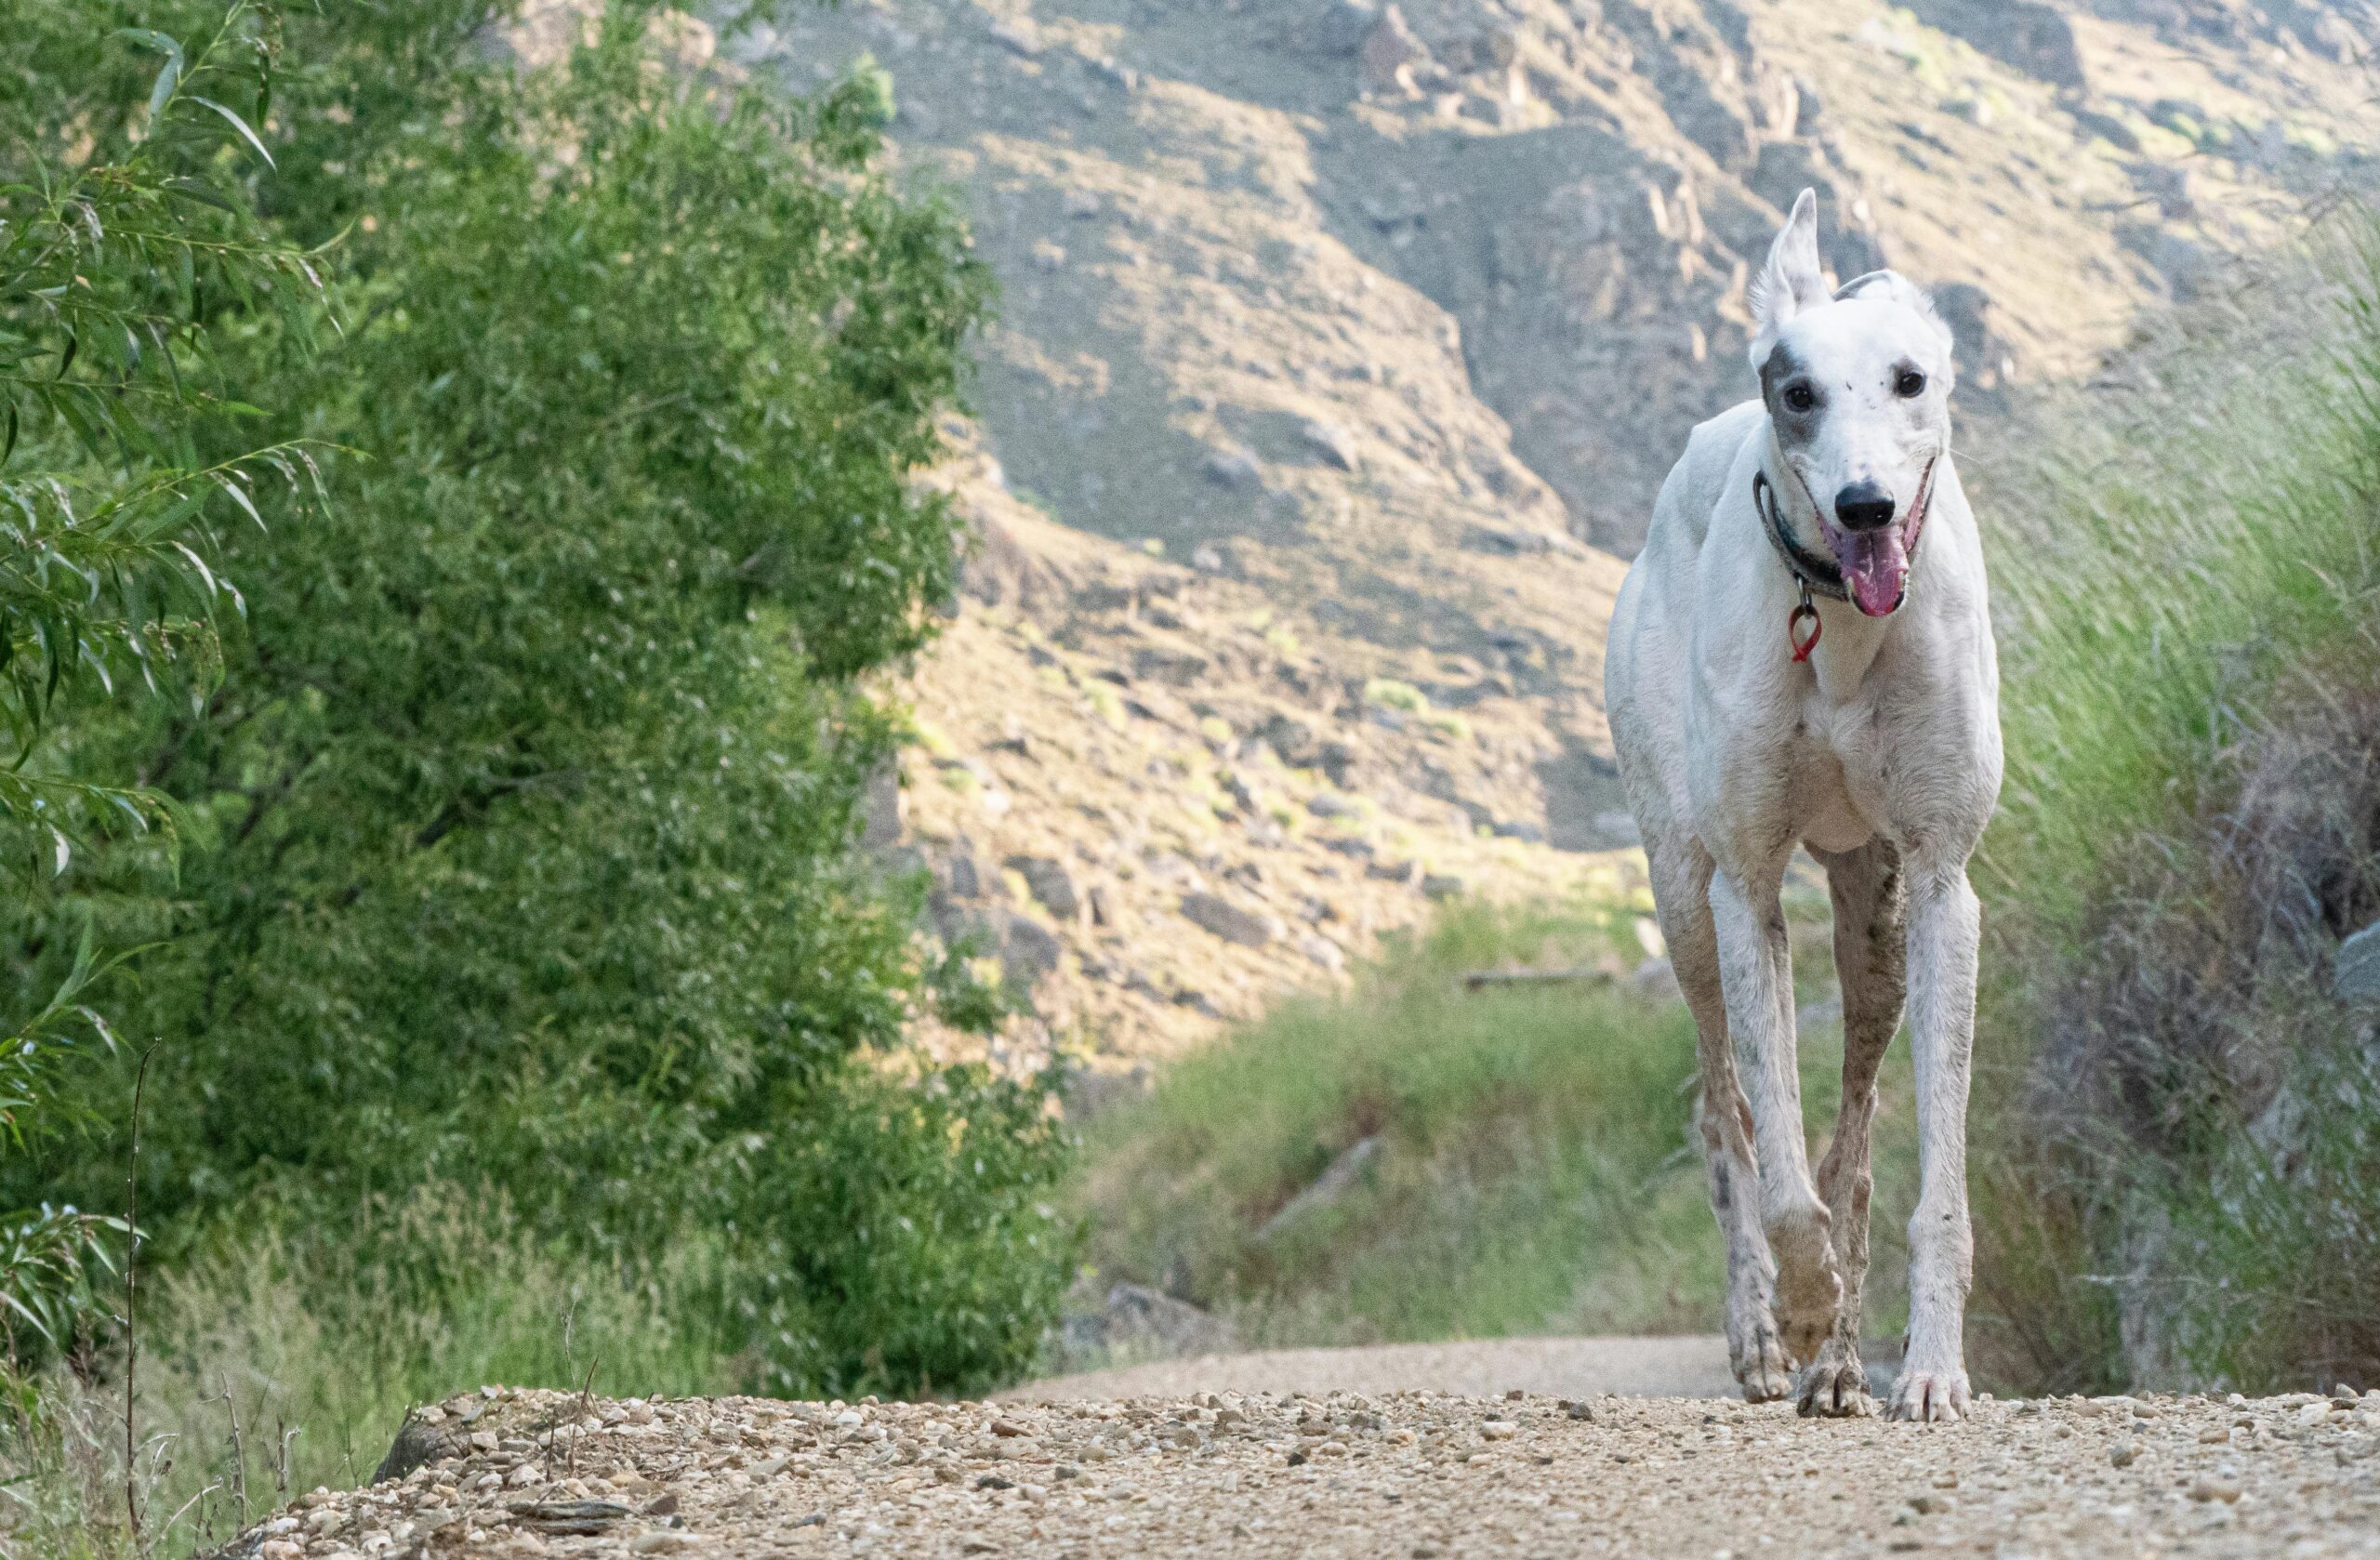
(1799,398)
(1910,384)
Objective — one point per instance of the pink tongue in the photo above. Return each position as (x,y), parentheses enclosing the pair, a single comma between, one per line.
(1875,566)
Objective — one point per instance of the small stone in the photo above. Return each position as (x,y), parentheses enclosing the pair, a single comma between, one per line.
(2216,1487)
(1009,1428)
(2123,1454)
(1298,1458)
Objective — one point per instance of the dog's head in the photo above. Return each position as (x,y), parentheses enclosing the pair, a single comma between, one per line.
(1858,384)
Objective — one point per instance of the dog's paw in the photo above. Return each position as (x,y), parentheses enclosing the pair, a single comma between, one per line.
(1931,1396)
(1765,1372)
(1835,1386)
(1809,1285)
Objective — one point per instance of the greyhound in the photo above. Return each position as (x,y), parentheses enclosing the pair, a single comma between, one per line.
(1786,665)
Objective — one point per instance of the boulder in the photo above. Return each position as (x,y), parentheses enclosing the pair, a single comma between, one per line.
(2357,974)
(1235,468)
(1389,53)
(1222,919)
(1137,1322)
(1050,884)
(1342,25)
(1028,951)
(1334,443)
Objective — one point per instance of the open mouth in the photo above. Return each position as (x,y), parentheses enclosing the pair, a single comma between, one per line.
(1875,564)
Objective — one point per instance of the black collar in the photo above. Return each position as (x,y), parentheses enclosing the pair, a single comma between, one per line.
(1817,574)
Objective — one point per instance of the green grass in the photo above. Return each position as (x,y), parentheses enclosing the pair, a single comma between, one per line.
(273,1363)
(2173,549)
(1534,1174)
(2187,587)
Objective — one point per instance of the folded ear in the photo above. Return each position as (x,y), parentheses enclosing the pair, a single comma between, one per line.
(1790,281)
(1891,285)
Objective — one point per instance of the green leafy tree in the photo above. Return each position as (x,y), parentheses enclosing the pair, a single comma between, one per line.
(517,840)
(124,231)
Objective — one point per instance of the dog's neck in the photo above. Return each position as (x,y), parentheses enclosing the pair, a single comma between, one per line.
(1776,488)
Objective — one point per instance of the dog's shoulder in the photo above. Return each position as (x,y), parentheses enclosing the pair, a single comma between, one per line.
(1699,478)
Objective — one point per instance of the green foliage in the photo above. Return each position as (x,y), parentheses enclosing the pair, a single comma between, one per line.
(126,229)
(282,1354)
(2190,606)
(1534,1171)
(517,832)
(2267,1271)
(2161,562)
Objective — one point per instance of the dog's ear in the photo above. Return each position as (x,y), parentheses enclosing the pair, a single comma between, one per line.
(1901,290)
(1790,281)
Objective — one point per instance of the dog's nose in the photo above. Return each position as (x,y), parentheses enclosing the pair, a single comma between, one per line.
(1864,507)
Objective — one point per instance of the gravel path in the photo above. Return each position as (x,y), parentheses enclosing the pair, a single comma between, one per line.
(1397,1474)
(1556,1367)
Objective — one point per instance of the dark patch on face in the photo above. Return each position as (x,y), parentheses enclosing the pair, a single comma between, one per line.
(1783,369)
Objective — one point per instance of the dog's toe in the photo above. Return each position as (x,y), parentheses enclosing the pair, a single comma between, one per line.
(1765,1371)
(1835,1387)
(1931,1396)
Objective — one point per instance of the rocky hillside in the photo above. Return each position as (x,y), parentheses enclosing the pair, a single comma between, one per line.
(1344,345)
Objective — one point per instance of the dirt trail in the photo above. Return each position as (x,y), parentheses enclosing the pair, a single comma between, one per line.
(1551,1367)
(1415,1474)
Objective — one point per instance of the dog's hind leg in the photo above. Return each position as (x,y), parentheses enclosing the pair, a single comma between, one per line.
(1682,880)
(1755,969)
(1870,914)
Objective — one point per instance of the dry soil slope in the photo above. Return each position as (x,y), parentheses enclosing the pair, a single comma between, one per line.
(1332,325)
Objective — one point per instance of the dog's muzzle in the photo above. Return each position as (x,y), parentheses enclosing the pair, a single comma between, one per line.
(1874,552)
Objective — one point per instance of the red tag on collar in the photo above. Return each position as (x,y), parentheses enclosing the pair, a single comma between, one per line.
(1803,615)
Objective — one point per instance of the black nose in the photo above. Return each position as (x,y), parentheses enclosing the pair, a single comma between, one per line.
(1864,507)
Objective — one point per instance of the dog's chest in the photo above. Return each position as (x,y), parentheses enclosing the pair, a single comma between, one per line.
(1837,778)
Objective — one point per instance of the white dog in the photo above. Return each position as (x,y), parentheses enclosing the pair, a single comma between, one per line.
(1803,654)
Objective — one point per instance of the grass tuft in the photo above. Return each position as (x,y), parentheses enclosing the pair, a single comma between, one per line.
(1531,1170)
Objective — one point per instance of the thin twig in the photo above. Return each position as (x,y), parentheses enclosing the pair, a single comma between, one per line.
(586,1406)
(131,1295)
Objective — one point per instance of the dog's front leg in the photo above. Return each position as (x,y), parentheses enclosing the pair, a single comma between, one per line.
(1755,970)
(1944,928)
